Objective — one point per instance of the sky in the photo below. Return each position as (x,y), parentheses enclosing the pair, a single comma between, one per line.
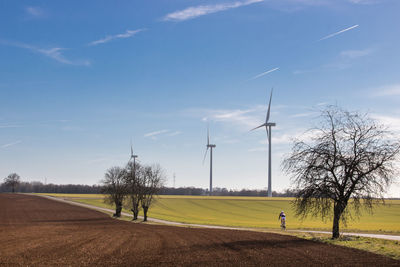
(80,79)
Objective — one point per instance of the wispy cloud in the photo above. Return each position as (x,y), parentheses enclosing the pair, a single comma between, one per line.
(56,54)
(244,118)
(11,144)
(164,132)
(339,32)
(197,11)
(364,2)
(389,90)
(108,38)
(356,53)
(264,73)
(155,133)
(322,104)
(283,139)
(53,53)
(241,117)
(302,115)
(175,133)
(280,139)
(33,11)
(343,62)
(393,123)
(10,126)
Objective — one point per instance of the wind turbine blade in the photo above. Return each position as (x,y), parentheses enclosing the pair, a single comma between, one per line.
(262,125)
(131,148)
(208,135)
(205,155)
(269,106)
(266,128)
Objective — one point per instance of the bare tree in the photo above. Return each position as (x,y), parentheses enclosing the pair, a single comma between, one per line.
(134,181)
(12,180)
(152,182)
(349,161)
(115,188)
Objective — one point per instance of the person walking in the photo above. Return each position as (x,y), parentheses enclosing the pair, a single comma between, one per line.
(282,217)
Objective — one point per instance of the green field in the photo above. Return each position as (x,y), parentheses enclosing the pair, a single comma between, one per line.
(258,212)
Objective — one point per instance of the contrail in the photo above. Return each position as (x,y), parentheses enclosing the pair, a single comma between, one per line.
(336,33)
(262,74)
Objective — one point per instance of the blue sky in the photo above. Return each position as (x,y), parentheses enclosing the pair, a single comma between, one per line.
(78,80)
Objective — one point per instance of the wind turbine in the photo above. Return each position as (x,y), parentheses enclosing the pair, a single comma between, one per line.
(209,146)
(133,156)
(268,126)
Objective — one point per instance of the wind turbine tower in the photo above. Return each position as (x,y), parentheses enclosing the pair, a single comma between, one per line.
(209,146)
(268,126)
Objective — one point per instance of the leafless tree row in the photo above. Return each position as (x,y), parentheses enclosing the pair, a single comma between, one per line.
(133,187)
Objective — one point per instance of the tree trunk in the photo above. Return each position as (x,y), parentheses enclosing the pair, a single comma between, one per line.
(13,188)
(337,212)
(135,211)
(145,209)
(118,209)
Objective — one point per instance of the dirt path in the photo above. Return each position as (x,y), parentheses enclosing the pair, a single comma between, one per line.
(388,237)
(41,232)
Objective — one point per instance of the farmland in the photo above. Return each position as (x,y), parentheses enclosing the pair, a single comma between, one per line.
(42,232)
(253,212)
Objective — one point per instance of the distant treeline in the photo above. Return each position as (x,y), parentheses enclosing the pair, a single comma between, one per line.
(39,187)
(192,191)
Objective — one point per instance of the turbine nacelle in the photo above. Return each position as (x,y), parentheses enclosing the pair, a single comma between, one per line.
(208,144)
(264,125)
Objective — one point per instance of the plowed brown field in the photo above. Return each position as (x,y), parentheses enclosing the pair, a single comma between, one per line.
(41,232)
